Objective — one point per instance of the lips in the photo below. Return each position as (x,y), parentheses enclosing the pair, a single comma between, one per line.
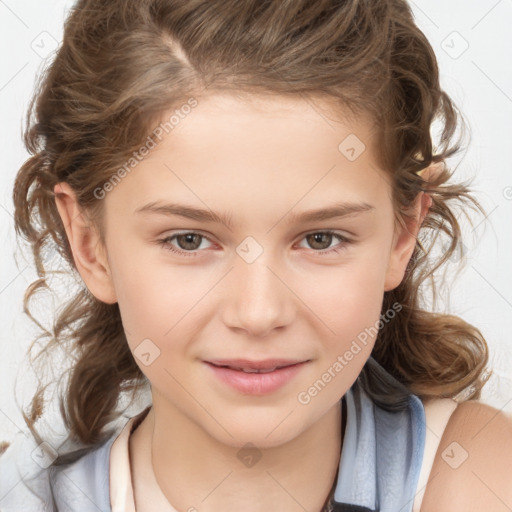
(255,377)
(248,366)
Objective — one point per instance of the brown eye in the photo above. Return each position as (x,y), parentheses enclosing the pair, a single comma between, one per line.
(188,241)
(320,240)
(186,244)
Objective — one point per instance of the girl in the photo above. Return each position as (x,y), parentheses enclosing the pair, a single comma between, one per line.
(249,193)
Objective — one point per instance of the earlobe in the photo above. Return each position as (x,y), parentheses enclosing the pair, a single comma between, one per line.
(88,253)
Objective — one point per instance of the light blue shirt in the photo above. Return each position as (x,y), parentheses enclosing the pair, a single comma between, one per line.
(378,472)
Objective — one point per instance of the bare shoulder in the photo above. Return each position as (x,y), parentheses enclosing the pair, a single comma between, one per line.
(472,470)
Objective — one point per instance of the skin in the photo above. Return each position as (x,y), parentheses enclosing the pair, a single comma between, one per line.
(259,160)
(481,437)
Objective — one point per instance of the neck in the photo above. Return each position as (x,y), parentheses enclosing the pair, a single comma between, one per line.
(196,472)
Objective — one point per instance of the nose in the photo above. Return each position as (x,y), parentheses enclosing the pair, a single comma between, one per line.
(259,300)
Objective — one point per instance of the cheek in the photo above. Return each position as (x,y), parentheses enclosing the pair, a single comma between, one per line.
(346,298)
(155,300)
(347,307)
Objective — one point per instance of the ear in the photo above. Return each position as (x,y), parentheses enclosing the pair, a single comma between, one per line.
(405,236)
(89,254)
(404,242)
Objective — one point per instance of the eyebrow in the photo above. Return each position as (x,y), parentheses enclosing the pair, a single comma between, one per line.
(337,210)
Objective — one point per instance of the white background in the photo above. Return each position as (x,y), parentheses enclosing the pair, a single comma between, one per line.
(478,78)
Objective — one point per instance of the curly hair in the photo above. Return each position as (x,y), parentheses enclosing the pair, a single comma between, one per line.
(122,63)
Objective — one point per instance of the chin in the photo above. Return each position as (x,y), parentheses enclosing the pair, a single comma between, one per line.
(252,438)
(265,431)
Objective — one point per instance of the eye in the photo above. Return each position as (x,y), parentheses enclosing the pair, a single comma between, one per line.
(323,239)
(187,242)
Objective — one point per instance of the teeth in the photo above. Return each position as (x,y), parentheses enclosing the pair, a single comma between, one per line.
(252,370)
(256,371)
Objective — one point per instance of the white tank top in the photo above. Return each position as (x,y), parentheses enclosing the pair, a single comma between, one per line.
(437,415)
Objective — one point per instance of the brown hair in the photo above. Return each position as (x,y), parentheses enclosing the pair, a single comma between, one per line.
(122,63)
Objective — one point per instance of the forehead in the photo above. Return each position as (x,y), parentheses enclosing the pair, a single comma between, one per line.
(308,115)
(266,151)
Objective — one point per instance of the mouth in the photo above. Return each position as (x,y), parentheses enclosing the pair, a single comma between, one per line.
(256,377)
(246,366)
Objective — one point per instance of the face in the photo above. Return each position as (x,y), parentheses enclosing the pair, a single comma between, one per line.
(255,277)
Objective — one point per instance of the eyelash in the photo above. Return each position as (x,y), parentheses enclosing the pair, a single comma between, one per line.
(165,243)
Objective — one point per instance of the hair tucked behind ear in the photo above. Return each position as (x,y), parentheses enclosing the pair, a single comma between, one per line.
(123,63)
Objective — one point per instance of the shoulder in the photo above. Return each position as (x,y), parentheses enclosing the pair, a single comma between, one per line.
(472,470)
